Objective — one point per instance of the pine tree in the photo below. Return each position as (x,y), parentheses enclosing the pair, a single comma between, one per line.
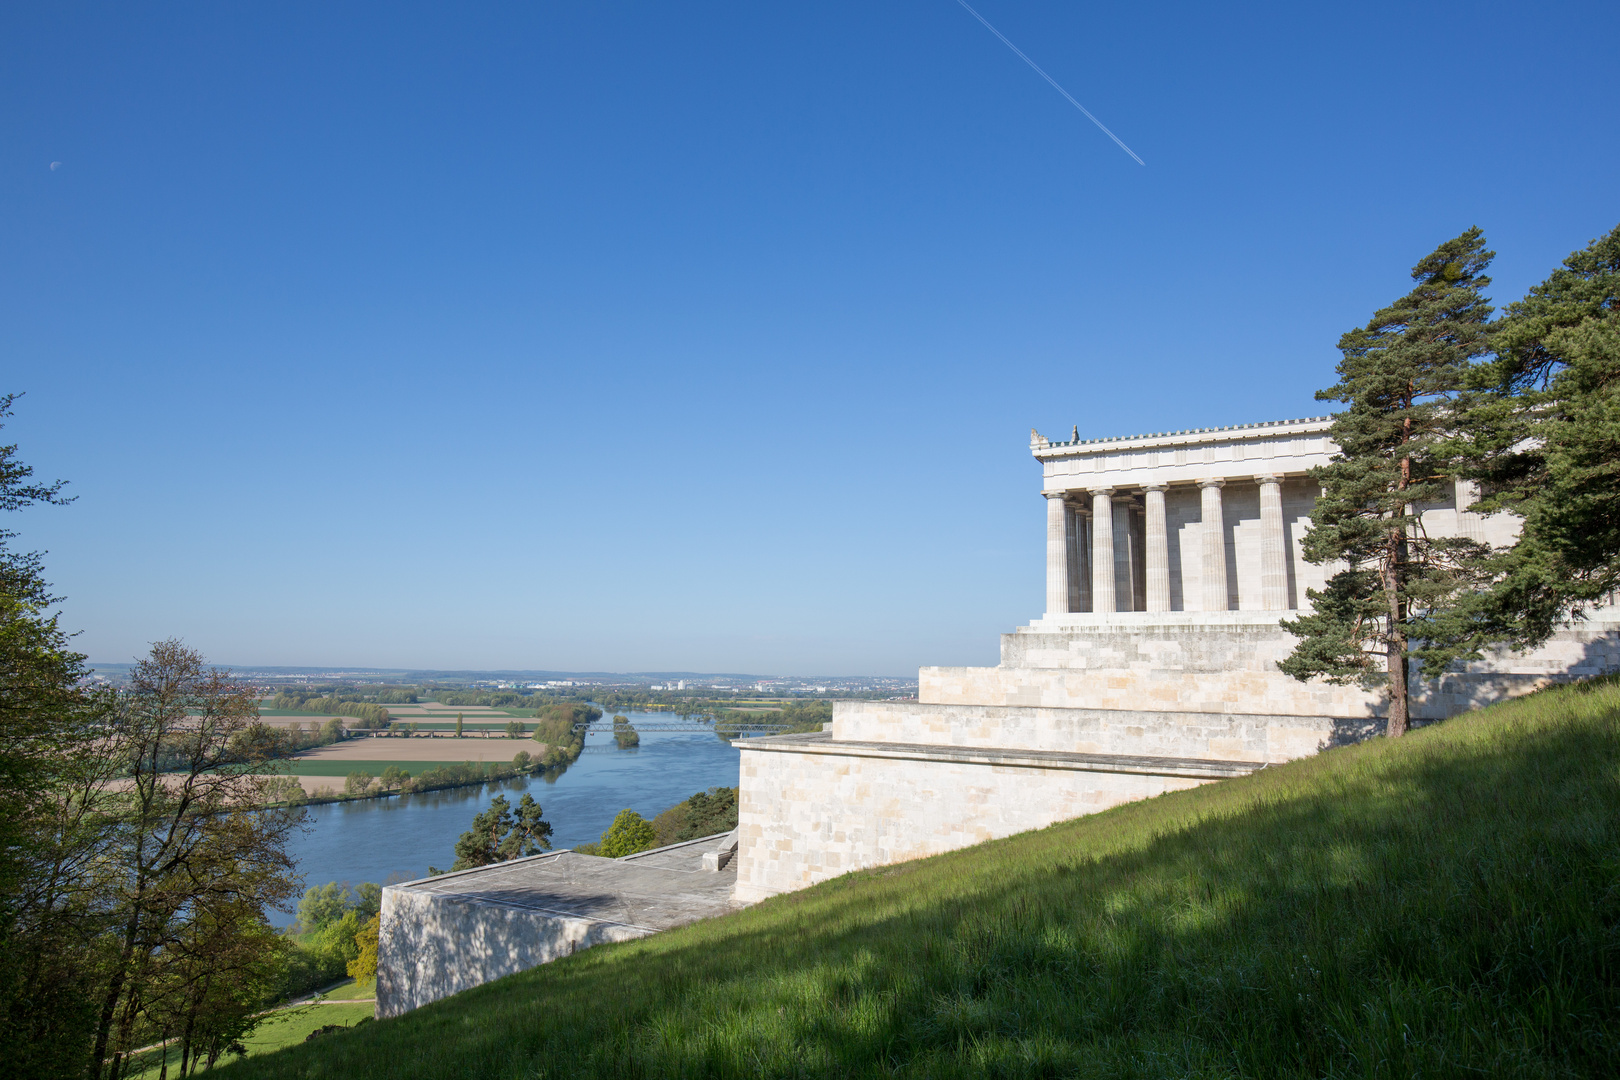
(1542,434)
(496,835)
(1396,585)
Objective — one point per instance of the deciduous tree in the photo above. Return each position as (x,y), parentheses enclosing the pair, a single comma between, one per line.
(49,909)
(364,965)
(629,833)
(185,835)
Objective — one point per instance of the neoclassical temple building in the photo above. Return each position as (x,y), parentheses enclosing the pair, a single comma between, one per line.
(1170,559)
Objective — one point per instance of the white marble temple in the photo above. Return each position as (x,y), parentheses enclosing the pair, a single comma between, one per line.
(1170,560)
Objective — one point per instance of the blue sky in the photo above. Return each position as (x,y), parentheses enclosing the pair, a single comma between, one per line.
(703,336)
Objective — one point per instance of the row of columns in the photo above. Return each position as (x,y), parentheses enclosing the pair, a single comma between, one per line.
(1081,576)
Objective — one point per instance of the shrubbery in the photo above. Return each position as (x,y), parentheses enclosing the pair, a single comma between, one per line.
(704,814)
(261,742)
(331,937)
(361,784)
(364,965)
(625,733)
(799,716)
(561,727)
(495,699)
(284,791)
(370,715)
(629,833)
(572,712)
(468,772)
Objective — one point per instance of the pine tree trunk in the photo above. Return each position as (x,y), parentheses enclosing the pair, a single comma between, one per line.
(1395,654)
(1394,594)
(1397,665)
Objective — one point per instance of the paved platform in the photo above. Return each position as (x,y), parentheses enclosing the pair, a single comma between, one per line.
(441,935)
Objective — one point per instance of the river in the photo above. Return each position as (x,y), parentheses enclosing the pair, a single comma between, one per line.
(397,838)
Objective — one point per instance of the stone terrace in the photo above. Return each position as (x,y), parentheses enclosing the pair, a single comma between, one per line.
(445,934)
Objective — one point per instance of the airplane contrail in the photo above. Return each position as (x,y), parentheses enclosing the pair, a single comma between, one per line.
(1051,80)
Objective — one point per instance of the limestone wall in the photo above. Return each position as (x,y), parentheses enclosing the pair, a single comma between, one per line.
(804,818)
(431,946)
(1191,663)
(892,781)
(1172,734)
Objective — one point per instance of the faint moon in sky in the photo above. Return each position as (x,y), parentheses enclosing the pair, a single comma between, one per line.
(55,165)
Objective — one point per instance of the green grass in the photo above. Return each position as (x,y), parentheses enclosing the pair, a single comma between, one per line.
(293,1026)
(277,1031)
(1446,904)
(351,989)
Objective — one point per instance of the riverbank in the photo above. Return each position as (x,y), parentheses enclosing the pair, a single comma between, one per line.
(430,776)
(395,838)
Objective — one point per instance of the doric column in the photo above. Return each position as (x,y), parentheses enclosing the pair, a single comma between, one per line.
(1214,546)
(1082,521)
(1273,568)
(1158,551)
(1057,554)
(1102,550)
(1079,579)
(1127,553)
(1470,525)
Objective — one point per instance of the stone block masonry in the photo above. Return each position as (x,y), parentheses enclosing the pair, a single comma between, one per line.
(813,807)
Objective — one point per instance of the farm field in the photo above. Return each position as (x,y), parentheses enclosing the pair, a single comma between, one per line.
(448,712)
(374,766)
(316,769)
(437,748)
(434,715)
(283,718)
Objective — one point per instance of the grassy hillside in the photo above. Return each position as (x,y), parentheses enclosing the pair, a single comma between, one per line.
(1446,904)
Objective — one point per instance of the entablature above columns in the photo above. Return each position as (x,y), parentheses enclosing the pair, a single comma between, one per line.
(1284,449)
